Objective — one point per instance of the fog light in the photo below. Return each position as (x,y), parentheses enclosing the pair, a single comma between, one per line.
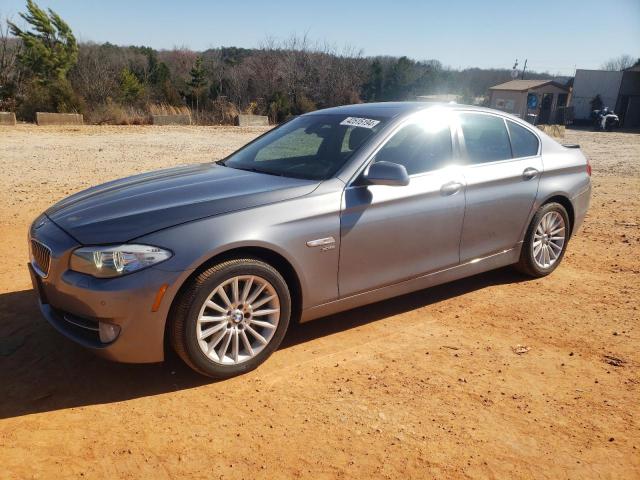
(108,332)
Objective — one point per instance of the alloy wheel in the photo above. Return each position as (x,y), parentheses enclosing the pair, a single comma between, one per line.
(548,239)
(238,319)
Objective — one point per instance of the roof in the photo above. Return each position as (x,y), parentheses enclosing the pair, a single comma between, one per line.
(394,109)
(443,97)
(380,109)
(596,70)
(524,85)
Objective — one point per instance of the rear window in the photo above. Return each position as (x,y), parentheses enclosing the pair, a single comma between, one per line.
(485,137)
(523,142)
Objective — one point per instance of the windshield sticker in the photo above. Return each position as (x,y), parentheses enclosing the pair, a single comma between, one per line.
(360,122)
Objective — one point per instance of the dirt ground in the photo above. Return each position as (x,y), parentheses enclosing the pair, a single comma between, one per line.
(423,386)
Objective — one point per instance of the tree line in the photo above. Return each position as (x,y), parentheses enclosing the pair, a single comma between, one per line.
(44,68)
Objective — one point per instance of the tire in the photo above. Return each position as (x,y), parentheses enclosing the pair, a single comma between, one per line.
(186,331)
(531,263)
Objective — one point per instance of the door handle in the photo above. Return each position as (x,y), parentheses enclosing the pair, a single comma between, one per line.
(530,173)
(450,188)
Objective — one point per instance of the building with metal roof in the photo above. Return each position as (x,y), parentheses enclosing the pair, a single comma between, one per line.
(618,90)
(537,101)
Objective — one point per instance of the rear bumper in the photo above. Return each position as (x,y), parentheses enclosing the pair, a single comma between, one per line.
(580,204)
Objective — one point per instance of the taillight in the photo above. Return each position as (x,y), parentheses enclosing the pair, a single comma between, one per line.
(588,168)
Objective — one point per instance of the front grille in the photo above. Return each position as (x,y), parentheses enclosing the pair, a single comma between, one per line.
(41,257)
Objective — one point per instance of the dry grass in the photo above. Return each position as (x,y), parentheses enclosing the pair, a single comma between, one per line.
(115,114)
(165,109)
(221,112)
(251,108)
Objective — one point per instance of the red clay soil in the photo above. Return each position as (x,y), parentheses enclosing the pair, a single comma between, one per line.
(428,385)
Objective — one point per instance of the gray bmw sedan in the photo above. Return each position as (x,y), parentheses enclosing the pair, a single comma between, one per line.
(332,210)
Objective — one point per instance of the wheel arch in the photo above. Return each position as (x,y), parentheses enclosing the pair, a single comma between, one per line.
(273,258)
(563,200)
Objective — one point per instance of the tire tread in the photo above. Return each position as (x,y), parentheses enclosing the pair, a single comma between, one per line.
(526,264)
(180,310)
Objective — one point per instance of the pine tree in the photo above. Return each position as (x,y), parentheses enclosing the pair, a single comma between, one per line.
(198,82)
(373,89)
(401,79)
(132,90)
(51,49)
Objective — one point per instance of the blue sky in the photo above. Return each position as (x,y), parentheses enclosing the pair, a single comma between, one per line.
(555,36)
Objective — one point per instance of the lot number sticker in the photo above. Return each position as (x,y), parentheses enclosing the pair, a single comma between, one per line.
(360,122)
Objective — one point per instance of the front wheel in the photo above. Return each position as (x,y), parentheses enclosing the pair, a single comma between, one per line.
(545,241)
(231,317)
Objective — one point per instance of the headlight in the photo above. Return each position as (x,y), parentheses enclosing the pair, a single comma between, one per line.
(113,261)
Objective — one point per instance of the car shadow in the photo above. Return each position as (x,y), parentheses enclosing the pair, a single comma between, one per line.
(360,316)
(41,371)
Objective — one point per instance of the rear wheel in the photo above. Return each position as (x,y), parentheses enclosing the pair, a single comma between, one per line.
(545,242)
(231,317)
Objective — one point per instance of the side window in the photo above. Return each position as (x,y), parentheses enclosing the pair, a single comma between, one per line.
(485,137)
(419,147)
(523,142)
(353,138)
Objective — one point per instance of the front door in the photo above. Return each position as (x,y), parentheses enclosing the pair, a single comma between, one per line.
(545,108)
(391,233)
(502,183)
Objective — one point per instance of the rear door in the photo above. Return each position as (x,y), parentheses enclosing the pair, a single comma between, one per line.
(393,233)
(502,175)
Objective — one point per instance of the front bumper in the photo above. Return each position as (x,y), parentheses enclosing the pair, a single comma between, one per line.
(74,303)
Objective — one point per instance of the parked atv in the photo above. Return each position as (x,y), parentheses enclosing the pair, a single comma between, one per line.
(605,120)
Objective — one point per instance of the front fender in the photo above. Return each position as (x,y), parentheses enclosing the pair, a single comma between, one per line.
(283,228)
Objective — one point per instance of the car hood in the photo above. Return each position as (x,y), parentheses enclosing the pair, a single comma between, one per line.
(125,209)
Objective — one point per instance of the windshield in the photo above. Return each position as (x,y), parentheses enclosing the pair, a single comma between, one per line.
(312,147)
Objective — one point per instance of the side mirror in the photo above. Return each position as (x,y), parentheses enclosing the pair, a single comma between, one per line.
(386,173)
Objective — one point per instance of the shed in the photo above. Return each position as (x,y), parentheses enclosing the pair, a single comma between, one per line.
(589,83)
(628,103)
(550,100)
(619,90)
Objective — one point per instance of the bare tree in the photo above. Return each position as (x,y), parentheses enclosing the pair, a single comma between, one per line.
(96,75)
(263,67)
(9,69)
(345,73)
(180,61)
(619,63)
(279,79)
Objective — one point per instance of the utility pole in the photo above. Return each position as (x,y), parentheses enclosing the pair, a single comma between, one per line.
(524,69)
